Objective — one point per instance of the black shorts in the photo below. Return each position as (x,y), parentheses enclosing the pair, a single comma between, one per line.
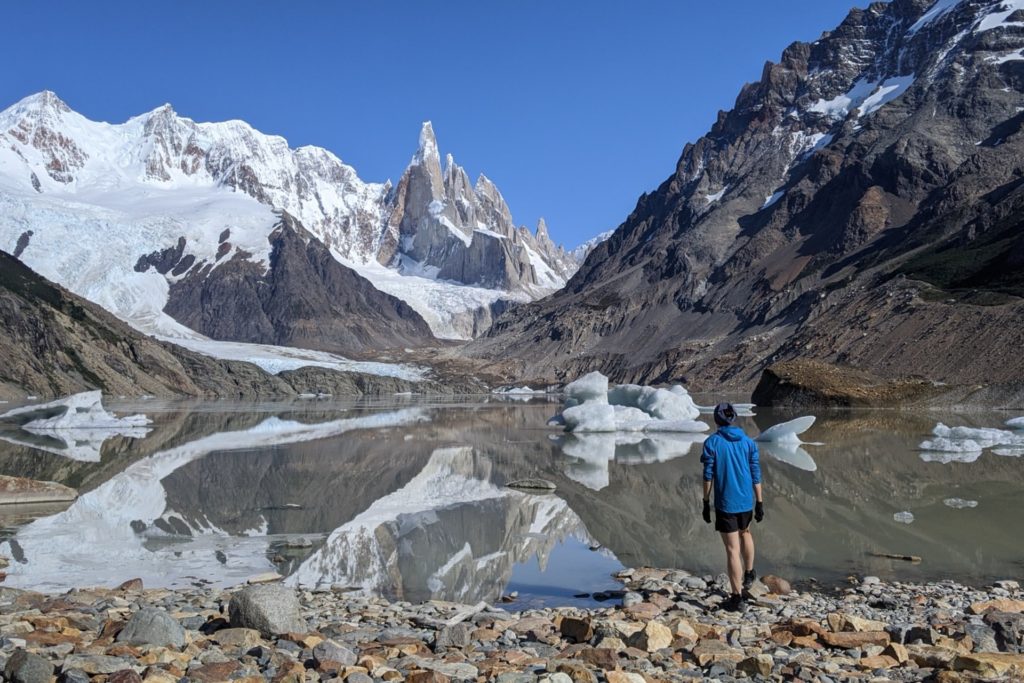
(728,522)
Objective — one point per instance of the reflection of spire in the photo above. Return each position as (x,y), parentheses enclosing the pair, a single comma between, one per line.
(447,534)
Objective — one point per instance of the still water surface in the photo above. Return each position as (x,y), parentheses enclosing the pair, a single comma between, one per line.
(407,499)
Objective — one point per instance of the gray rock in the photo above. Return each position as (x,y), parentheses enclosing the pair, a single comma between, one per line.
(358,677)
(523,677)
(74,676)
(983,636)
(631,598)
(152,627)
(453,636)
(330,651)
(25,667)
(97,664)
(271,610)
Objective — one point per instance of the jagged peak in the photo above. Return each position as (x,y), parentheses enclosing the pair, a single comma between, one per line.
(428,144)
(542,228)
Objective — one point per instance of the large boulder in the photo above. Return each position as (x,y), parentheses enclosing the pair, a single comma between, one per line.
(152,627)
(271,610)
(25,667)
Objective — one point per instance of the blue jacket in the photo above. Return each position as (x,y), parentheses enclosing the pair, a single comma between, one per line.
(731,460)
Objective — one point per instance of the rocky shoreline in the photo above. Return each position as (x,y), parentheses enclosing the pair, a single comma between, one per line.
(665,625)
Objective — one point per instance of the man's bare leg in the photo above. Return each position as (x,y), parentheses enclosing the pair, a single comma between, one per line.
(747,549)
(734,560)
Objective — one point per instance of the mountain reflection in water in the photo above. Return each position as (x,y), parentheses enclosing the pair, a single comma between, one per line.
(411,503)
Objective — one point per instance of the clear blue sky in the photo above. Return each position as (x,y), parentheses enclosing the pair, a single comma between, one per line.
(574,108)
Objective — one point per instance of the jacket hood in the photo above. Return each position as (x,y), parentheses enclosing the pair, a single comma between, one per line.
(731,433)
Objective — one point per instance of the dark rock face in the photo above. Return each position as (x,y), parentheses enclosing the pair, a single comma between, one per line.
(56,343)
(306,298)
(860,205)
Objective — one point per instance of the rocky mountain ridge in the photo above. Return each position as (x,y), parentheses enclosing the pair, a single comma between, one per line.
(448,249)
(859,205)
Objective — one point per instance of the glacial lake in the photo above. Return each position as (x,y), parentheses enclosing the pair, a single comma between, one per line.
(407,498)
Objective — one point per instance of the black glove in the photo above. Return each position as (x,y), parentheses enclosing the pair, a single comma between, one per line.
(706,514)
(759,511)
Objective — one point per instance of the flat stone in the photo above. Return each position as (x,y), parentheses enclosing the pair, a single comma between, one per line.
(990,664)
(426,677)
(152,627)
(124,676)
(331,651)
(623,677)
(930,656)
(897,652)
(847,640)
(25,667)
(246,638)
(96,664)
(877,662)
(214,673)
(998,605)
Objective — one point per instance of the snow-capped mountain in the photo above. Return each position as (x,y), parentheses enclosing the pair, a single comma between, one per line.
(860,205)
(581,252)
(100,208)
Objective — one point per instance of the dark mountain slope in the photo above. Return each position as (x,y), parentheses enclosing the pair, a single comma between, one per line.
(861,204)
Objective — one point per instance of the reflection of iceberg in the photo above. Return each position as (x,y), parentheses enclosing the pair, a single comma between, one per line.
(449,533)
(94,537)
(74,427)
(787,432)
(789,453)
(591,453)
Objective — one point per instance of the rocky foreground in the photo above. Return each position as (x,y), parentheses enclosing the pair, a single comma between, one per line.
(665,626)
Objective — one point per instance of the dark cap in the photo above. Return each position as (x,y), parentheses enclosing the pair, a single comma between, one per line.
(725,414)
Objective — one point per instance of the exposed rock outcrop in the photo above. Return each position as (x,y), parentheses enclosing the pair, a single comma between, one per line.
(859,205)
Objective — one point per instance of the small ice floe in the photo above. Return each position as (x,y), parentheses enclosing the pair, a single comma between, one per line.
(590,406)
(903,517)
(787,432)
(1015,423)
(74,427)
(969,442)
(960,503)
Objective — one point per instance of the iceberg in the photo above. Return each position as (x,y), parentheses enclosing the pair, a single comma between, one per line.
(787,432)
(973,440)
(1015,423)
(960,503)
(903,517)
(74,427)
(590,406)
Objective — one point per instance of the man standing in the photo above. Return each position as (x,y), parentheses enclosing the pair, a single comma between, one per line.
(732,464)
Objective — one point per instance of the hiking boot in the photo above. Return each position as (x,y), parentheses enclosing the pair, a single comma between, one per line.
(733,603)
(748,579)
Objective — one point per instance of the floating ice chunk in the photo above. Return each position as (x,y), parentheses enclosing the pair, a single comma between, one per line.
(1009,452)
(74,427)
(903,517)
(1015,423)
(661,404)
(960,503)
(983,437)
(80,411)
(676,426)
(787,432)
(591,416)
(590,387)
